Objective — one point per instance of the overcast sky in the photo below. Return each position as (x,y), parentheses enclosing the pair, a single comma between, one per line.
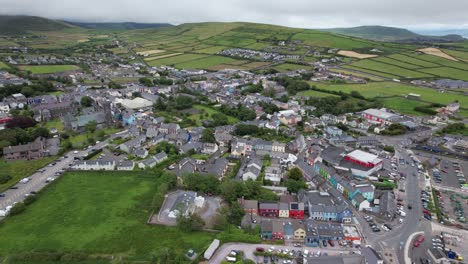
(294,13)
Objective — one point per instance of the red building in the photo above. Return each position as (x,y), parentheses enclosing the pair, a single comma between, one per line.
(296,210)
(364,159)
(268,209)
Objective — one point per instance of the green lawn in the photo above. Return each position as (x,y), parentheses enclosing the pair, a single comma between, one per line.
(20,169)
(396,63)
(210,111)
(96,213)
(44,69)
(81,140)
(386,89)
(56,123)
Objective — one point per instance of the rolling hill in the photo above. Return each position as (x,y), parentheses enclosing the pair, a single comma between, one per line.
(119,25)
(17,25)
(381,33)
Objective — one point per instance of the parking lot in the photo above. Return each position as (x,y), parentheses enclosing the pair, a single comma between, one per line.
(248,251)
(451,173)
(456,208)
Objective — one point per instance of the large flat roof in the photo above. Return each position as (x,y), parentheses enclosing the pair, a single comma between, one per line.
(379,113)
(364,156)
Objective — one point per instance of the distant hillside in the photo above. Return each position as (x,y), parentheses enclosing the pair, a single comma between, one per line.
(119,26)
(16,25)
(381,33)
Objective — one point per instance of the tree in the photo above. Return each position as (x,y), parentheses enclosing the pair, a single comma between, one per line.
(208,136)
(86,101)
(40,132)
(91,126)
(236,214)
(21,122)
(294,186)
(101,134)
(183,102)
(190,222)
(295,174)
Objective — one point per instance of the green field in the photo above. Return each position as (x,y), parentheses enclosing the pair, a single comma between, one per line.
(205,109)
(323,39)
(385,75)
(403,105)
(389,89)
(448,73)
(363,75)
(286,67)
(96,213)
(457,54)
(312,93)
(412,60)
(44,69)
(396,63)
(21,168)
(389,69)
(4,66)
(81,140)
(176,59)
(205,63)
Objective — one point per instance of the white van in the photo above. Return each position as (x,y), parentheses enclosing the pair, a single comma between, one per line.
(231,259)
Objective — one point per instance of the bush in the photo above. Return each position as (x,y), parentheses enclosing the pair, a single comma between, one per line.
(30,199)
(18,208)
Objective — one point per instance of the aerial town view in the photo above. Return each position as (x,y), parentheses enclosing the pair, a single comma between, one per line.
(301,132)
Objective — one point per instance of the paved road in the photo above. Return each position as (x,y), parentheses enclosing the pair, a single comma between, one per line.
(413,222)
(38,179)
(249,250)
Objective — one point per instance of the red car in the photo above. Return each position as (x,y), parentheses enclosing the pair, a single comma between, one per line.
(416,244)
(420,238)
(260,249)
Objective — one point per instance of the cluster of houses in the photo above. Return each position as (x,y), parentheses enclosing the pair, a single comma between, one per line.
(309,218)
(256,54)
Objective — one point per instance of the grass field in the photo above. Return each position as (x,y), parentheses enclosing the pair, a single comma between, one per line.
(96,213)
(386,68)
(205,63)
(403,58)
(44,69)
(20,169)
(81,140)
(448,72)
(313,93)
(286,67)
(457,54)
(177,59)
(385,75)
(199,117)
(388,89)
(403,105)
(363,75)
(3,66)
(397,63)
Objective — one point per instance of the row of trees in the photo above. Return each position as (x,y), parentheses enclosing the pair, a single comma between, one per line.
(158,81)
(28,90)
(240,112)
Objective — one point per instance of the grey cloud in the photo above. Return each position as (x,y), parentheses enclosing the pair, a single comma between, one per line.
(294,13)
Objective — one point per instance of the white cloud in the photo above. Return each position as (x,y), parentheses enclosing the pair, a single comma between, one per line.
(294,13)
